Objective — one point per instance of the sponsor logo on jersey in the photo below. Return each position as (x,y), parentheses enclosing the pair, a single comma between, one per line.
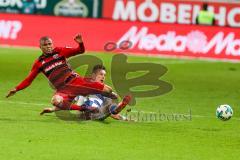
(53,66)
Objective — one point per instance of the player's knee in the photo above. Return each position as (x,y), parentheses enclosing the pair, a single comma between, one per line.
(57,100)
(113,109)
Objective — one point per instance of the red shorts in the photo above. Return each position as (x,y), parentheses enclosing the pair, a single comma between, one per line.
(81,86)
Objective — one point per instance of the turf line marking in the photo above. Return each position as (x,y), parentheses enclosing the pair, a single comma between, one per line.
(45,104)
(24,103)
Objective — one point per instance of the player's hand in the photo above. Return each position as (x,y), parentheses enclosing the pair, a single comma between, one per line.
(78,38)
(11,93)
(49,110)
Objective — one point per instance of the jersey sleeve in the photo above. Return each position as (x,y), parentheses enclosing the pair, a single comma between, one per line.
(31,76)
(69,52)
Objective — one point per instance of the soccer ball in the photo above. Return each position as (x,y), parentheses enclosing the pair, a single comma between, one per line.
(224,112)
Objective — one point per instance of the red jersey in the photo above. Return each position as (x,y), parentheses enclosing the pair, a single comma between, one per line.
(54,66)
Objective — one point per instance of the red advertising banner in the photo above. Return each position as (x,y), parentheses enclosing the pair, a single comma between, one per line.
(170,11)
(146,38)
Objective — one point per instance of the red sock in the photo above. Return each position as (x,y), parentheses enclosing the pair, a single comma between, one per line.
(76,107)
(123,104)
(120,107)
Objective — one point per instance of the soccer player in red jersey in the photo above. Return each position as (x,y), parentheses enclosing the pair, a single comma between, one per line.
(68,84)
(101,107)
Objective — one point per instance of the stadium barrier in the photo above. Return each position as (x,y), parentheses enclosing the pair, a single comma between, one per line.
(227,13)
(146,38)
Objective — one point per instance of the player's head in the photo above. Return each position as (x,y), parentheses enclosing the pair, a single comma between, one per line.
(99,73)
(46,45)
(205,6)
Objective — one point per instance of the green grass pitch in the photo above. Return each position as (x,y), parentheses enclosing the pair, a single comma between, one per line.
(199,86)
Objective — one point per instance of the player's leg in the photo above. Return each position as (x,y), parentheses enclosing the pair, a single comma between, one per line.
(58,101)
(115,109)
(64,102)
(102,111)
(84,87)
(119,117)
(110,106)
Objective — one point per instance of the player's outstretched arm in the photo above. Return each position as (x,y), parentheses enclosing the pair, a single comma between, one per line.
(69,52)
(78,39)
(111,95)
(107,92)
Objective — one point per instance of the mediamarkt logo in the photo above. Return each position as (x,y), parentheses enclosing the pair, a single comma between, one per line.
(195,41)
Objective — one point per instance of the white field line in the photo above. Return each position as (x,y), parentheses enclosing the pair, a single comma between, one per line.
(144,112)
(24,103)
(18,47)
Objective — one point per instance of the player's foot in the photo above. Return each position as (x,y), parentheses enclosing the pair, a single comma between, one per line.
(116,109)
(47,110)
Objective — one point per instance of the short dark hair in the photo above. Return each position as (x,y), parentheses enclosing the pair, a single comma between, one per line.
(205,6)
(98,67)
(44,38)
